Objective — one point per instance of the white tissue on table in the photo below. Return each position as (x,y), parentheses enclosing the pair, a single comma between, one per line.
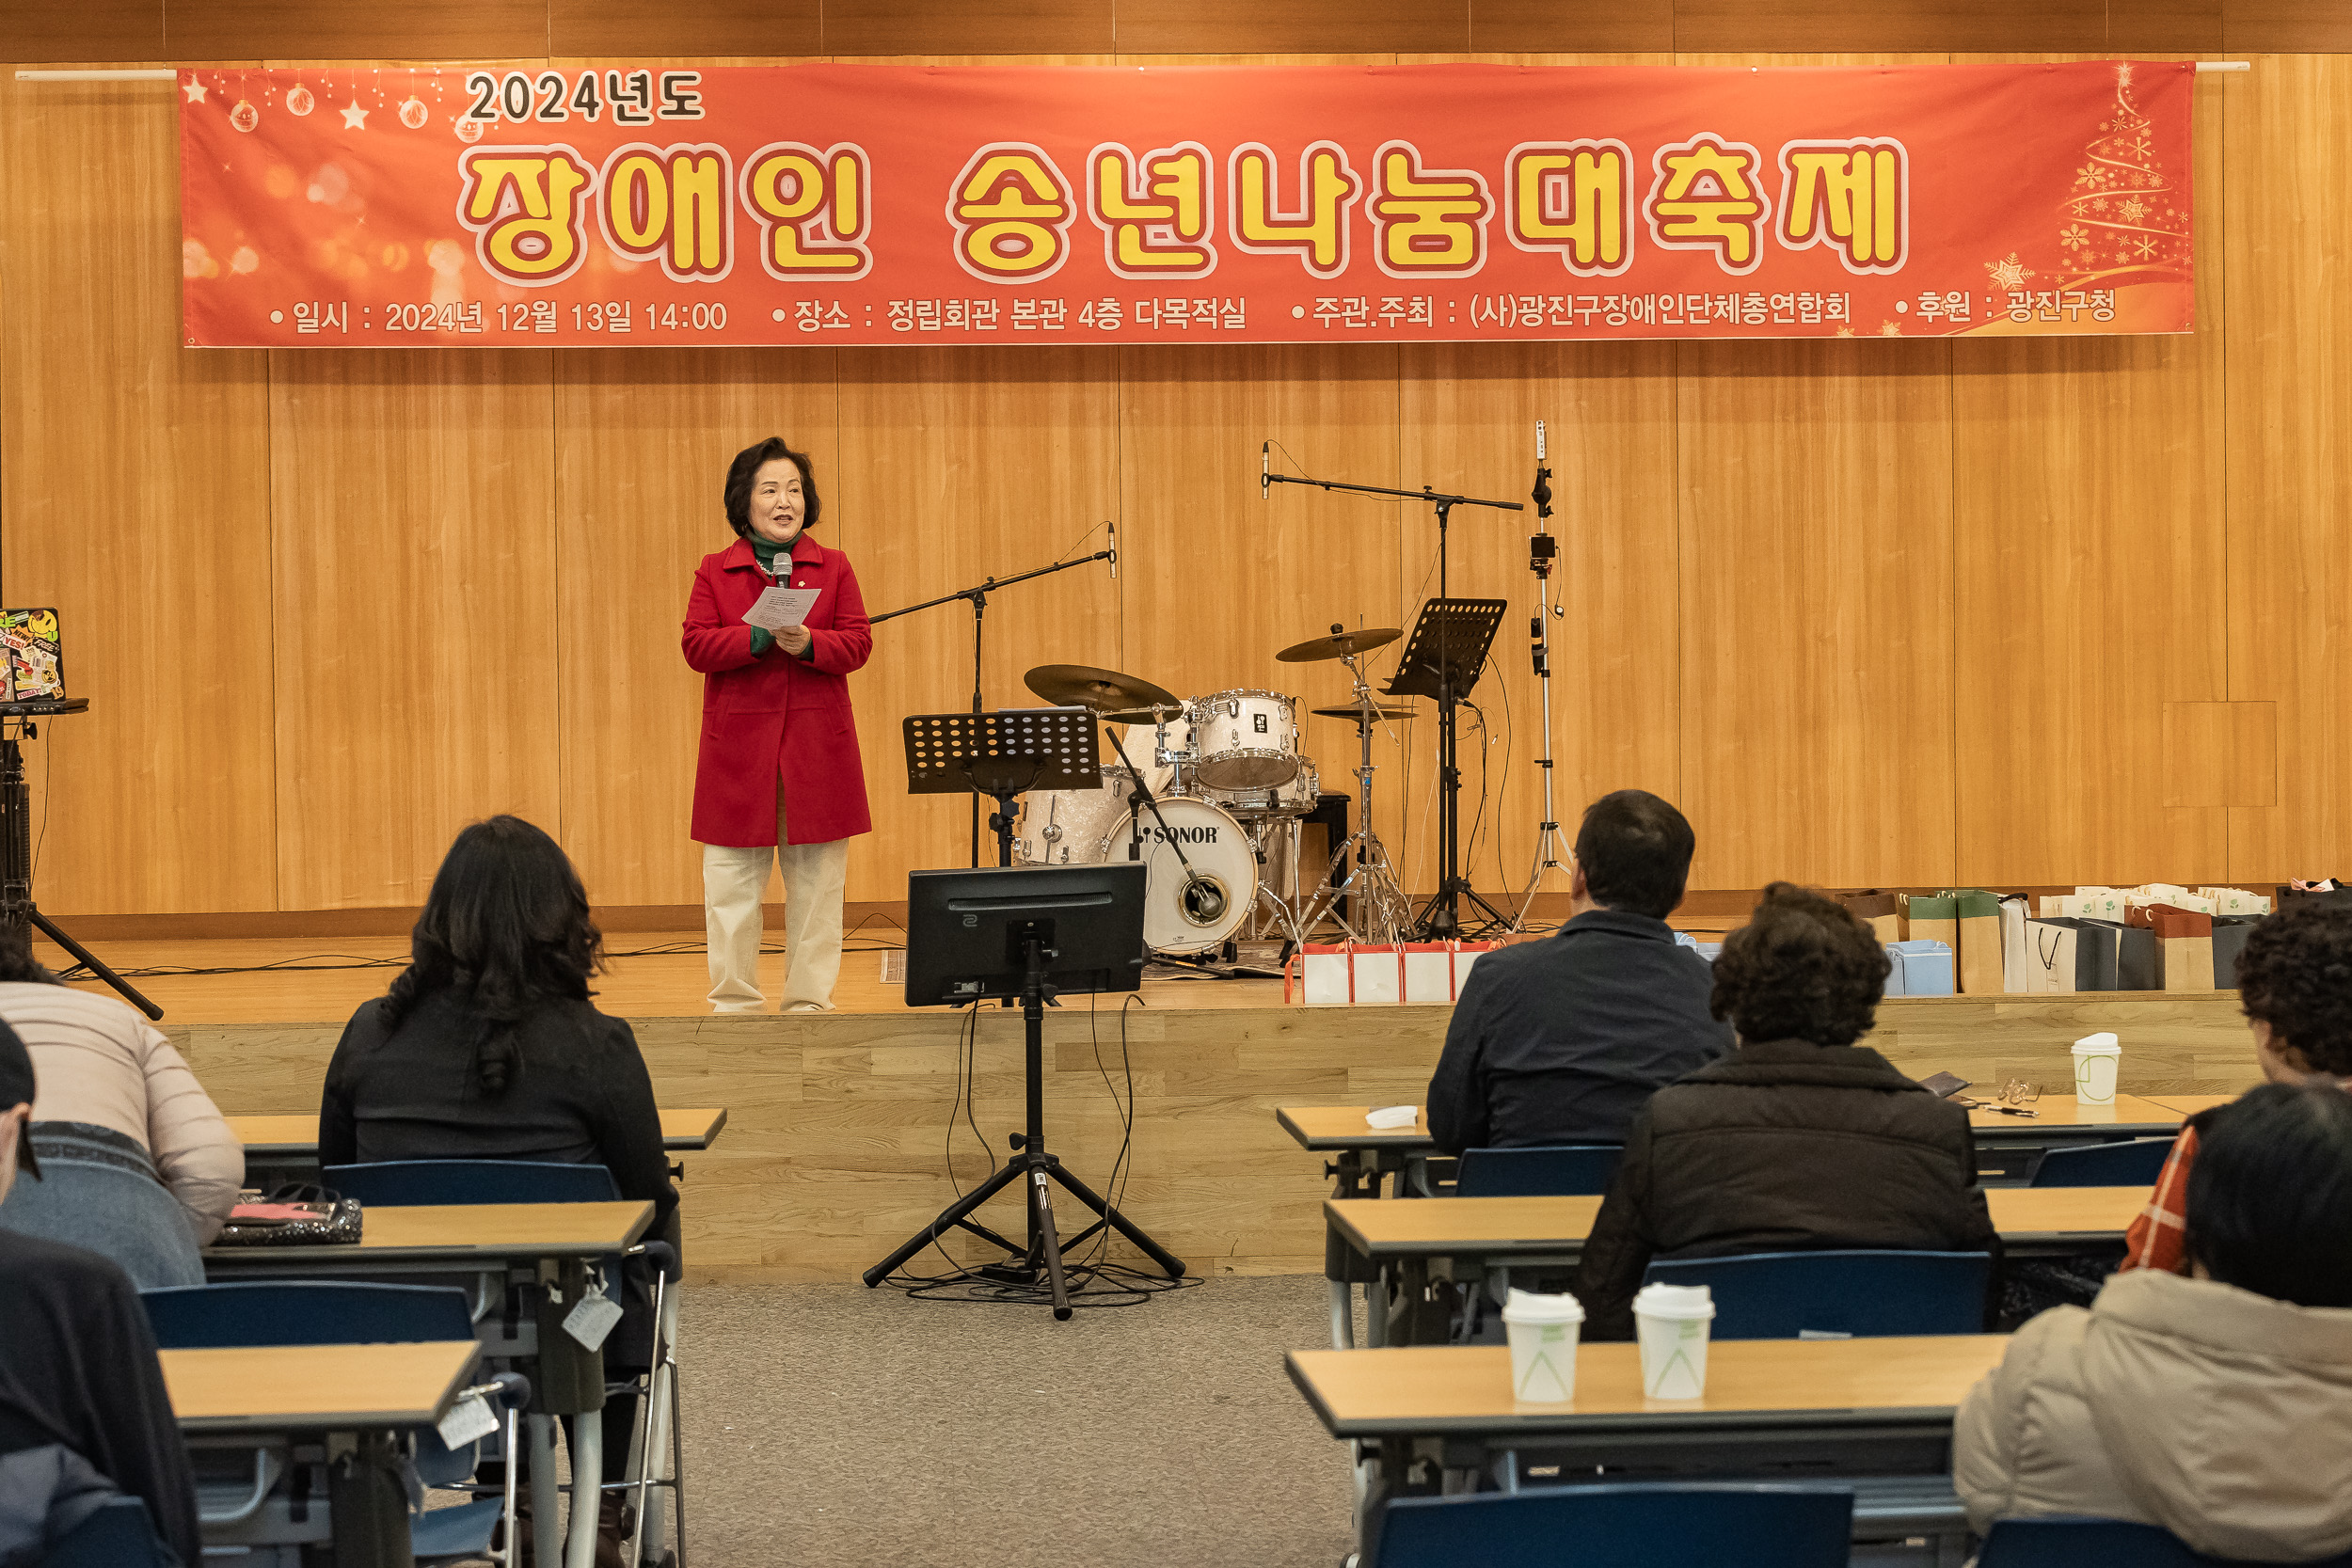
(1389,1117)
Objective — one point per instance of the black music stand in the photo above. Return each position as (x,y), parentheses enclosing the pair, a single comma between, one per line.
(1442,659)
(1002,755)
(17,720)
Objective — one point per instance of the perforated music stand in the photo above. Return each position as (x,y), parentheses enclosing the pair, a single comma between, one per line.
(1002,755)
(1442,661)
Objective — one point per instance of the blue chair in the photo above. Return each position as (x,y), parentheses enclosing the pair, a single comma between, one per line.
(1619,1526)
(412,1183)
(1565,1170)
(117,1535)
(2134,1163)
(1789,1295)
(305,1312)
(2099,1544)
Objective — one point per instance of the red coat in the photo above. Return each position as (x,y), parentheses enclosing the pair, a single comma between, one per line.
(777,716)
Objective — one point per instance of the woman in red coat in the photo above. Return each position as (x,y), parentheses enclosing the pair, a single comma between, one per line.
(779,775)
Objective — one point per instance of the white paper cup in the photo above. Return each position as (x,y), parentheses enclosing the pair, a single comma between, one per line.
(2097,1060)
(1671,1321)
(1544,1331)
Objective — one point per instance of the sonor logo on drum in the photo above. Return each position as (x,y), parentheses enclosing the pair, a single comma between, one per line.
(1183,836)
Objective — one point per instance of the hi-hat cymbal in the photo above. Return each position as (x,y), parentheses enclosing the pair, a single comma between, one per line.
(1338,645)
(1375,711)
(1104,691)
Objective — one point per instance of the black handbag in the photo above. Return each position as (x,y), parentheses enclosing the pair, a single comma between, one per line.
(319,1216)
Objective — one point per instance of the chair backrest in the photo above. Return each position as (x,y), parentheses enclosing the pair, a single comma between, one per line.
(305,1312)
(2099,1544)
(1784,1295)
(2134,1163)
(407,1184)
(1619,1526)
(1564,1170)
(117,1535)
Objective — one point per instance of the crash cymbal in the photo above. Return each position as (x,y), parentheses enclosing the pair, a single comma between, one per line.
(1351,711)
(1338,645)
(1104,691)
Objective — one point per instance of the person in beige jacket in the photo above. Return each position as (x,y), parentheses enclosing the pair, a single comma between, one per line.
(102,1066)
(2217,1406)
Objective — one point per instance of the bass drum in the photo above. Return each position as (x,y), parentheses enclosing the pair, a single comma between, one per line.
(1066,827)
(1191,915)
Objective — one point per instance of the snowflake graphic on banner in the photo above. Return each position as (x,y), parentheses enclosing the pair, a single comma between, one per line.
(2125,215)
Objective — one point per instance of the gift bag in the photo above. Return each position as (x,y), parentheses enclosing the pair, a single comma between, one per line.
(2183,947)
(2099,956)
(2015,963)
(2050,956)
(1925,966)
(1894,973)
(1881,912)
(1977,947)
(1935,919)
(2085,903)
(2229,940)
(2234,900)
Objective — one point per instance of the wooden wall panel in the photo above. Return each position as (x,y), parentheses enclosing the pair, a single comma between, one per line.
(959,465)
(967,26)
(306,30)
(643,440)
(1469,413)
(757,31)
(110,31)
(2286,25)
(2087,502)
(2289,411)
(412,501)
(2092,26)
(136,494)
(1539,25)
(1258,27)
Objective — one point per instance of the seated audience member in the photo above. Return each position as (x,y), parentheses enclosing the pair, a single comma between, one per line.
(487,1048)
(1562,1041)
(2295,984)
(2217,1404)
(77,1359)
(1801,1139)
(142,1167)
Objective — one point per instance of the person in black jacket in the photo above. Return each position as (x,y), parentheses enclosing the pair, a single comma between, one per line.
(1563,1040)
(488,1047)
(77,1357)
(1800,1140)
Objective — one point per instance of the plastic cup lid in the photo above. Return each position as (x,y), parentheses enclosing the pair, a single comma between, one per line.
(2097,1045)
(1527,1306)
(1674,1301)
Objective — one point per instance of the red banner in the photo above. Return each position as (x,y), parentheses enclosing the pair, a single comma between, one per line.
(866,204)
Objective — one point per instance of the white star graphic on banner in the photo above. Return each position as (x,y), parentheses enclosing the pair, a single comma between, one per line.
(355,118)
(195,90)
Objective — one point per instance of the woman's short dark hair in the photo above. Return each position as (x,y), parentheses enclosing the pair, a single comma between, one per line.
(2268,1192)
(1803,967)
(745,468)
(504,930)
(2294,973)
(17,963)
(1635,849)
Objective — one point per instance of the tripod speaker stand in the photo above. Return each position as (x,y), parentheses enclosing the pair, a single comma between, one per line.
(17,723)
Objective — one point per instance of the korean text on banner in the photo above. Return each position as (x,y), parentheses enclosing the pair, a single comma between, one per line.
(471,206)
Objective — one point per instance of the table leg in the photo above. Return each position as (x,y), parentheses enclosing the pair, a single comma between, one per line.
(1343,1315)
(547,1503)
(1376,1310)
(587,1488)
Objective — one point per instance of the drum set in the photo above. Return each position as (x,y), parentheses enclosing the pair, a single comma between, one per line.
(1214,805)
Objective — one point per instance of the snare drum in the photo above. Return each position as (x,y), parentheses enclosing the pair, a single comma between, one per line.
(1066,827)
(1192,914)
(1295,798)
(1244,740)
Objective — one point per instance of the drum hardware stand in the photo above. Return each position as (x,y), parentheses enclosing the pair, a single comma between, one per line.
(16,843)
(976,597)
(1440,918)
(1382,908)
(1552,846)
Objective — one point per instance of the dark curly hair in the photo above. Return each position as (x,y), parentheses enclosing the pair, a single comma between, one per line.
(504,930)
(2294,973)
(1803,967)
(2267,1194)
(745,468)
(17,963)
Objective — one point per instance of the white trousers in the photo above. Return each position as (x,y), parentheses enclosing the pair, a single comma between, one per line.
(733,882)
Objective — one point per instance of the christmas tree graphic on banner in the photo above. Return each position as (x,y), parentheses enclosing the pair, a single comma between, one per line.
(2127,213)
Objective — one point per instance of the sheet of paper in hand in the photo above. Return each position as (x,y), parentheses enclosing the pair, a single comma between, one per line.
(777,608)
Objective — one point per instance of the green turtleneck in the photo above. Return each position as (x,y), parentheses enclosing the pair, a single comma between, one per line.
(766,551)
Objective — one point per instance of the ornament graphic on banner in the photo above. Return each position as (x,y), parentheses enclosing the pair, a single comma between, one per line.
(298,100)
(245,117)
(412,113)
(355,118)
(470,131)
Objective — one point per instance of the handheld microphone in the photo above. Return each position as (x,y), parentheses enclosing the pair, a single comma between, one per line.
(1266,469)
(1113,524)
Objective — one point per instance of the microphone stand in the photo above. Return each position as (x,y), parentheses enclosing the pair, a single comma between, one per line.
(1542,551)
(1442,919)
(976,597)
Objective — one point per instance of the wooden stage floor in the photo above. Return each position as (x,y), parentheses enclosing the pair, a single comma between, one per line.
(843,1127)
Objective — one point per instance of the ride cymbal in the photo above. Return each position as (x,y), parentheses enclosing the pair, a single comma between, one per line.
(1338,645)
(1104,691)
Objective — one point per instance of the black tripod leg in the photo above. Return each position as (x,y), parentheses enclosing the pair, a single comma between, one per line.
(1121,1222)
(84,957)
(948,1218)
(1049,1244)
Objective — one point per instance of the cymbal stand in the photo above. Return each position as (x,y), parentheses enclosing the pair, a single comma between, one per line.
(1381,907)
(1551,845)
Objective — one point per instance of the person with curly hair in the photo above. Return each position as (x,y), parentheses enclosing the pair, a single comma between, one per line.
(1801,1139)
(2295,986)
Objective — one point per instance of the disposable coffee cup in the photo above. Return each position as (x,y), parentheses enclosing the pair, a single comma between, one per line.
(1543,1332)
(1671,1321)
(2097,1059)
